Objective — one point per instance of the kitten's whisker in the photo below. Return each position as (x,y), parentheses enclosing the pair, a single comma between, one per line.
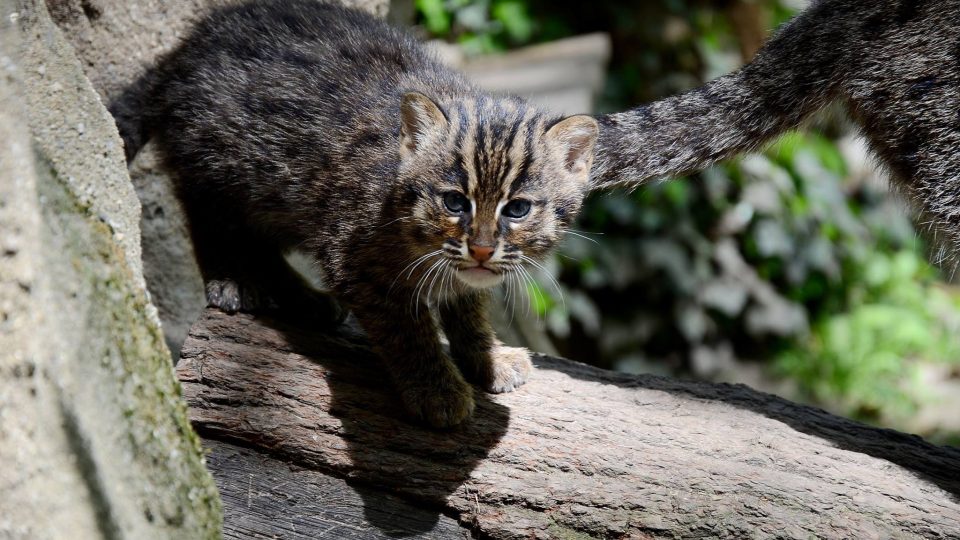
(511,289)
(416,262)
(393,221)
(522,286)
(533,294)
(428,255)
(506,293)
(511,296)
(513,303)
(536,288)
(423,282)
(584,232)
(451,272)
(553,281)
(420,284)
(582,236)
(440,274)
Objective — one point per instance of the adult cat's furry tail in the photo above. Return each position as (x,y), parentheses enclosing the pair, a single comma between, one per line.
(895,64)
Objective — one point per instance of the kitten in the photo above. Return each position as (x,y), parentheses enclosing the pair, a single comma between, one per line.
(302,124)
(894,64)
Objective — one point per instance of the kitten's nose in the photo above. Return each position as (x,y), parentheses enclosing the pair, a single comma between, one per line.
(481,254)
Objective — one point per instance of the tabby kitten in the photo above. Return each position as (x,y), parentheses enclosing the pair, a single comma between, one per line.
(893,64)
(298,124)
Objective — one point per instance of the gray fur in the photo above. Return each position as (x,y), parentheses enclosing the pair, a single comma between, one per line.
(893,64)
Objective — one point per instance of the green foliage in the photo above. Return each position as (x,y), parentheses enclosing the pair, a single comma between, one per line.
(865,360)
(739,258)
(483,26)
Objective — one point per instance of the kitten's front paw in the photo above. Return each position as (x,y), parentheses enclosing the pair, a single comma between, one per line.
(443,402)
(510,367)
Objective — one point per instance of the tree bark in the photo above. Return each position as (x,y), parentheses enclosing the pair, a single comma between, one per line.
(577,452)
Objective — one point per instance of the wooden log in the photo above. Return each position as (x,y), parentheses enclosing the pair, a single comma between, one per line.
(577,452)
(268,498)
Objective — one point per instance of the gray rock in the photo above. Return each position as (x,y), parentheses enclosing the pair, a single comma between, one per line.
(93,433)
(173,277)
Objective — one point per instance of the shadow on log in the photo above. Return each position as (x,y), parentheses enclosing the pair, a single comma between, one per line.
(305,422)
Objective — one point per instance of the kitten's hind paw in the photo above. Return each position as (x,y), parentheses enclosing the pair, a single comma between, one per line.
(510,367)
(230,296)
(317,307)
(442,403)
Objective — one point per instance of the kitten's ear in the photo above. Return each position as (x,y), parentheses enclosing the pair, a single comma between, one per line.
(420,121)
(575,138)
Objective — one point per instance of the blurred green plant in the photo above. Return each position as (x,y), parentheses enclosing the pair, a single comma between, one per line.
(479,27)
(743,255)
(866,361)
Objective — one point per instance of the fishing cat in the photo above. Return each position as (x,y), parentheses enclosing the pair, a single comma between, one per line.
(294,123)
(894,65)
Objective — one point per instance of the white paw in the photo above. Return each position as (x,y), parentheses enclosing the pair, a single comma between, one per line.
(511,368)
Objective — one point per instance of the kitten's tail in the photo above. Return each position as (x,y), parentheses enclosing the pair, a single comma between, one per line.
(797,72)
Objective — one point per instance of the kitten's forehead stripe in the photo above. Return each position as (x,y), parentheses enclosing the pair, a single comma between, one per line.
(495,146)
(506,159)
(522,170)
(459,171)
(455,119)
(480,150)
(469,148)
(526,150)
(515,155)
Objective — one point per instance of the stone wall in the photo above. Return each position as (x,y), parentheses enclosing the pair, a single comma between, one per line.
(93,433)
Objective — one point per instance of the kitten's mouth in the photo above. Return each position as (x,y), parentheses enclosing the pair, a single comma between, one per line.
(480,277)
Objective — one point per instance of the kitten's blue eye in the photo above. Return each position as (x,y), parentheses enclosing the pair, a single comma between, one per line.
(516,208)
(455,202)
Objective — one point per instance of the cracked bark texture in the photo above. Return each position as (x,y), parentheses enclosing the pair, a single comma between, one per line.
(304,417)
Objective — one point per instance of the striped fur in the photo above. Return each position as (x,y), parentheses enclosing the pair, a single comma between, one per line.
(893,64)
(297,124)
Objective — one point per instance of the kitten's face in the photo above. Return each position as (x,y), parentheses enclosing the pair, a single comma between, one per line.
(493,183)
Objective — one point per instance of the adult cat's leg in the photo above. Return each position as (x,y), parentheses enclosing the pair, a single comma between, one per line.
(430,385)
(481,357)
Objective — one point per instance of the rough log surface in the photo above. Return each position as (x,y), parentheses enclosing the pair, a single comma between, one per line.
(267,498)
(576,453)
